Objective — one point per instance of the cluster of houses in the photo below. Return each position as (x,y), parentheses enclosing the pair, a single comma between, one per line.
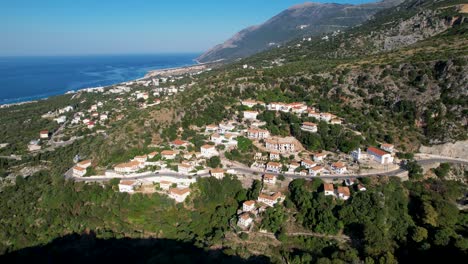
(178,193)
(295,107)
(342,192)
(250,209)
(93,116)
(79,170)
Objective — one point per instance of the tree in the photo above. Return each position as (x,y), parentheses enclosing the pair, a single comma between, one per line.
(114,182)
(244,144)
(442,170)
(273,218)
(244,236)
(430,216)
(419,234)
(414,170)
(254,190)
(214,162)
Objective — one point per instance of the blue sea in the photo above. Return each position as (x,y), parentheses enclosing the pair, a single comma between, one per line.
(30,78)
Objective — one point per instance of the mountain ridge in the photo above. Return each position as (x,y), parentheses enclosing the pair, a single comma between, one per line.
(307,19)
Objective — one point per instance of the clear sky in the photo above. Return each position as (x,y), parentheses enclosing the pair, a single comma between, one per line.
(64,27)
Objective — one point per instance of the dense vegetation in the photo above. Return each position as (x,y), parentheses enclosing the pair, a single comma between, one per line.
(412,95)
(392,221)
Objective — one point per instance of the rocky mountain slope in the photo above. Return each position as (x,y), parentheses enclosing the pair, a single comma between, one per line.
(304,20)
(399,77)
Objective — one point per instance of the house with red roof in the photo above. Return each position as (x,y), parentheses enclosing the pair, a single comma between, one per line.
(44,134)
(343,193)
(271,199)
(379,155)
(244,220)
(248,206)
(339,167)
(273,167)
(309,127)
(269,179)
(329,189)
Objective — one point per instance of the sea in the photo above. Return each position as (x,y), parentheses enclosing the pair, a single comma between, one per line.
(31,78)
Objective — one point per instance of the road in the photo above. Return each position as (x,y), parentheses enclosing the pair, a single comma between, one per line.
(243,170)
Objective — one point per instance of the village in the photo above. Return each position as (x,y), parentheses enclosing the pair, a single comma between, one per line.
(173,167)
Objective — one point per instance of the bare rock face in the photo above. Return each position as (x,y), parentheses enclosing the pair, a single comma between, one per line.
(415,29)
(458,149)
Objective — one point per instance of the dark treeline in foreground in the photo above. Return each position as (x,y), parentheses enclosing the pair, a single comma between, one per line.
(392,221)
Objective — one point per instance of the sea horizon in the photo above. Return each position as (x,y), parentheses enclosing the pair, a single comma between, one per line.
(35,77)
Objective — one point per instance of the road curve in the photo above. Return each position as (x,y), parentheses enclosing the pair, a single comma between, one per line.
(257,172)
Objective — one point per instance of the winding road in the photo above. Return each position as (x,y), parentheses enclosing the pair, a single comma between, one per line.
(430,159)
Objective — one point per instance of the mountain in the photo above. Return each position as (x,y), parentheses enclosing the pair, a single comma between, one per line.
(403,72)
(304,20)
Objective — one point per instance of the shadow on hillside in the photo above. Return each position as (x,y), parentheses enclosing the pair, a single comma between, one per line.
(89,249)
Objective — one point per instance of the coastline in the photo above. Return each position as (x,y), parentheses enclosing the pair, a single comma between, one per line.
(148,74)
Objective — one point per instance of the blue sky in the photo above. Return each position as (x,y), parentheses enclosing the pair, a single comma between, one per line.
(59,27)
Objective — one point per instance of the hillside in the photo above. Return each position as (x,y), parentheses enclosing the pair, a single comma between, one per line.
(405,66)
(400,78)
(304,20)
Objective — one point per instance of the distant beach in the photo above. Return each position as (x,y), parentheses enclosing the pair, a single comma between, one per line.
(26,79)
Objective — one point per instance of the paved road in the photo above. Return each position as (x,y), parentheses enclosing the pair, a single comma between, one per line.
(243,170)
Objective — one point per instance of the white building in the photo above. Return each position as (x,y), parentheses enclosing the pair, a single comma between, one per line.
(275,155)
(307,164)
(328,189)
(272,199)
(316,170)
(208,151)
(356,154)
(90,125)
(128,167)
(141,158)
(60,119)
(278,106)
(248,206)
(216,138)
(128,186)
(343,193)
(379,155)
(217,173)
(251,115)
(168,154)
(34,145)
(258,133)
(226,127)
(273,167)
(185,168)
(269,179)
(165,185)
(314,114)
(79,171)
(211,128)
(44,134)
(387,147)
(339,167)
(309,127)
(251,103)
(244,220)
(179,194)
(84,164)
(280,144)
(326,117)
(319,156)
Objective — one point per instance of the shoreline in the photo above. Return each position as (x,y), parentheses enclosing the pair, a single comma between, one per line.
(148,74)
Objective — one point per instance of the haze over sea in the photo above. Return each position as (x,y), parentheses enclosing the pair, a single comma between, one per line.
(31,78)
